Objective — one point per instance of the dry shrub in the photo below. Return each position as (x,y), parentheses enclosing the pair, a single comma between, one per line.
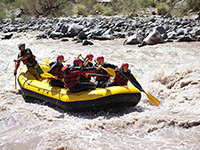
(45,7)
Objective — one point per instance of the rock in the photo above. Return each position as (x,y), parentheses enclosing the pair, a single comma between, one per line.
(64,28)
(87,42)
(64,40)
(55,35)
(197,32)
(6,36)
(74,29)
(134,39)
(180,32)
(160,29)
(168,15)
(17,12)
(108,37)
(172,35)
(153,38)
(186,38)
(82,35)
(42,36)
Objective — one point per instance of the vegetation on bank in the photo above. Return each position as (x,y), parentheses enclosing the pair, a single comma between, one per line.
(56,8)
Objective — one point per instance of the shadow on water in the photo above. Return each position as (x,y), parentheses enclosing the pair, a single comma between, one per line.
(92,113)
(108,112)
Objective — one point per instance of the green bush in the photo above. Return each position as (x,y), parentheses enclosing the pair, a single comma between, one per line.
(107,11)
(194,4)
(2,16)
(12,17)
(80,9)
(25,18)
(99,7)
(163,9)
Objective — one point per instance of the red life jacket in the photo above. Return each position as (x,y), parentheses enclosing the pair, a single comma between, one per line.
(120,79)
(30,61)
(72,75)
(102,71)
(102,78)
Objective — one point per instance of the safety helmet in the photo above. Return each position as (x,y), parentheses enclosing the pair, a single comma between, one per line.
(100,58)
(60,57)
(89,56)
(20,44)
(77,61)
(124,64)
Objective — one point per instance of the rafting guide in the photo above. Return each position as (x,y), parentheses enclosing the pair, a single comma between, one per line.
(25,55)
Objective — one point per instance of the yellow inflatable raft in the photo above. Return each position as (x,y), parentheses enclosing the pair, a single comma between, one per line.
(61,97)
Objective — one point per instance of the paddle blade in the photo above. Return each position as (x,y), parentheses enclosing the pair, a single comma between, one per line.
(110,71)
(47,75)
(153,100)
(47,62)
(45,68)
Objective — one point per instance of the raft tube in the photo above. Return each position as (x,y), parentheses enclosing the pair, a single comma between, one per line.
(64,99)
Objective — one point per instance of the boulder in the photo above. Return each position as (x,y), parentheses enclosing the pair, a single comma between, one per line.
(6,36)
(17,12)
(56,35)
(74,29)
(153,38)
(186,38)
(87,42)
(134,39)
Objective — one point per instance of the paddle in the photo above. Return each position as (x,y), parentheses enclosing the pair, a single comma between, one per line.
(110,71)
(85,61)
(15,77)
(47,62)
(153,100)
(96,74)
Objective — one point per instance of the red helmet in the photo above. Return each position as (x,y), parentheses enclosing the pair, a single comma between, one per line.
(89,56)
(77,61)
(124,65)
(100,58)
(60,57)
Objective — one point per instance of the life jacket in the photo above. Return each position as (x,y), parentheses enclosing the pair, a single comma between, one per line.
(30,61)
(102,78)
(72,75)
(56,69)
(120,79)
(102,71)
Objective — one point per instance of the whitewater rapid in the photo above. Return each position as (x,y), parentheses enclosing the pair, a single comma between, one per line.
(169,71)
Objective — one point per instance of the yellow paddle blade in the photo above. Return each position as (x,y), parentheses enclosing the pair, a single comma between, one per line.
(110,71)
(47,62)
(45,68)
(47,75)
(154,100)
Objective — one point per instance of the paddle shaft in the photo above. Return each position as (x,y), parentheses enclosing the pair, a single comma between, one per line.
(15,77)
(131,81)
(155,101)
(99,74)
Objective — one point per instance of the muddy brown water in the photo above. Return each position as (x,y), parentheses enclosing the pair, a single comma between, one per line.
(170,72)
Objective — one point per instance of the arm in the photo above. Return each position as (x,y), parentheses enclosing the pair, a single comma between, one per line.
(22,58)
(16,67)
(109,65)
(132,78)
(52,67)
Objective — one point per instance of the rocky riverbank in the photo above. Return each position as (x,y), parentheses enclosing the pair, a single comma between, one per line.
(145,30)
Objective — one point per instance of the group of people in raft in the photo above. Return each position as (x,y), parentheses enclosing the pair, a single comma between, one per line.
(77,77)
